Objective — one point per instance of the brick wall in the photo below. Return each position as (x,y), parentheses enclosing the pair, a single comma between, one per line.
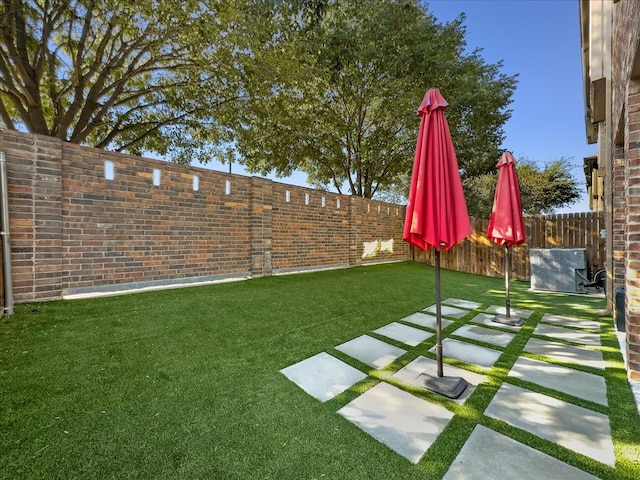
(310,228)
(73,230)
(619,213)
(632,228)
(626,35)
(34,176)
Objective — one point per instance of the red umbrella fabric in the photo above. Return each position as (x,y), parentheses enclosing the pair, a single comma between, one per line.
(437,215)
(506,226)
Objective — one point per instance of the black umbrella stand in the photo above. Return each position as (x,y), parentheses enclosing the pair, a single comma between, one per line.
(507,319)
(451,387)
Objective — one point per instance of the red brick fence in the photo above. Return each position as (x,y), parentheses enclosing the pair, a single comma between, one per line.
(87,220)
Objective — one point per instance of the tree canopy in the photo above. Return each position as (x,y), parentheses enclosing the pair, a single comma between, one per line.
(143,75)
(341,106)
(328,87)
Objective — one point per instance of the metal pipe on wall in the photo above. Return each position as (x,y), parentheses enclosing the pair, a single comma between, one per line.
(6,241)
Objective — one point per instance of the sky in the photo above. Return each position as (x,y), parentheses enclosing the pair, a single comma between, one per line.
(540,41)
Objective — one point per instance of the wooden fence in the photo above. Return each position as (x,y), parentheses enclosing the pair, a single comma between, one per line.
(478,255)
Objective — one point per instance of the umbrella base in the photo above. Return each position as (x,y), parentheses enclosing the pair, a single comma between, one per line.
(450,387)
(513,321)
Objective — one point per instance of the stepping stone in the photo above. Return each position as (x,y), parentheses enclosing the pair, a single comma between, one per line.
(515,312)
(508,459)
(486,335)
(571,321)
(404,333)
(469,353)
(323,376)
(565,353)
(576,428)
(568,334)
(488,319)
(425,320)
(447,311)
(371,351)
(562,379)
(456,302)
(422,365)
(406,424)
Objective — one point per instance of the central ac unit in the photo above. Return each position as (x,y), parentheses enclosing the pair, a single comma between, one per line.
(558,269)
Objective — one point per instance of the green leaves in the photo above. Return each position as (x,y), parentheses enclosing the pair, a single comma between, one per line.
(120,75)
(327,87)
(343,105)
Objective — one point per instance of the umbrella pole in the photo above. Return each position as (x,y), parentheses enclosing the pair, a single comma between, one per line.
(507,267)
(507,319)
(438,316)
(451,387)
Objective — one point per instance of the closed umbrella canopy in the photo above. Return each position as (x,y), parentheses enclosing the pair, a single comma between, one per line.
(436,213)
(506,226)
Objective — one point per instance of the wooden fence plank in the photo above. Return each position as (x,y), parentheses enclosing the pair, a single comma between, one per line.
(478,255)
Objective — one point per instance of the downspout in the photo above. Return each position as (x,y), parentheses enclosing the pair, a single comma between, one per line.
(6,241)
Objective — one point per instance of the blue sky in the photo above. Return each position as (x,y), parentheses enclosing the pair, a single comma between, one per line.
(539,40)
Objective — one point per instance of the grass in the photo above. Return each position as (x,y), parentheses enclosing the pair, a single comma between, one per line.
(185,383)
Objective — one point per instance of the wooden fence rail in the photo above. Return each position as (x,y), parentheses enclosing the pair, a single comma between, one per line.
(478,255)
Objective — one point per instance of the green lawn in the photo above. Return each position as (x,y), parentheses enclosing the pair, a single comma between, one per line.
(185,383)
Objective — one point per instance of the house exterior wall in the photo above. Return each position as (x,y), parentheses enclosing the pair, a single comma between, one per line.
(632,228)
(619,212)
(616,32)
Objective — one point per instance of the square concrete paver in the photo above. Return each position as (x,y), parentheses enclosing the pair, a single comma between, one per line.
(425,320)
(457,302)
(411,372)
(488,319)
(576,428)
(570,321)
(468,352)
(568,334)
(447,311)
(565,353)
(515,312)
(404,333)
(323,376)
(406,424)
(371,351)
(487,335)
(508,459)
(573,382)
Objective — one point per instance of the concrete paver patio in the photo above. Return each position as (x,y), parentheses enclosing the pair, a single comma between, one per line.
(425,320)
(409,424)
(571,426)
(562,379)
(509,460)
(404,423)
(403,333)
(371,351)
(565,353)
(323,376)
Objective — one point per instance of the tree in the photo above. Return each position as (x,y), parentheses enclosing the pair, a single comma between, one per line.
(130,76)
(341,103)
(542,190)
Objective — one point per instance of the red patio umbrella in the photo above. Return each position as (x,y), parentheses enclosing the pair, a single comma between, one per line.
(506,226)
(437,214)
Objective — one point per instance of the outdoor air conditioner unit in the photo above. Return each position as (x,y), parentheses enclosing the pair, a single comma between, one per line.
(558,269)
